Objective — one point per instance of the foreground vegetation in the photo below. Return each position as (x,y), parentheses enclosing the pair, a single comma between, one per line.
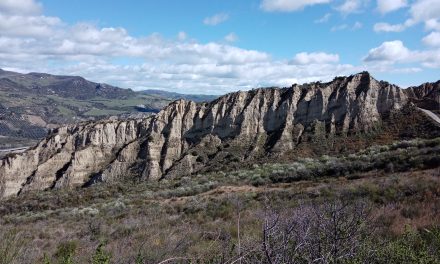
(380,205)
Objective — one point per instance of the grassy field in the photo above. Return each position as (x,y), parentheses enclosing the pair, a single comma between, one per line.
(386,200)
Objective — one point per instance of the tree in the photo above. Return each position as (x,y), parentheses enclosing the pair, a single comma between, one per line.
(331,232)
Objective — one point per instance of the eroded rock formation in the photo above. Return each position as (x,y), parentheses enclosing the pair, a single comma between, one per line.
(269,120)
(426,96)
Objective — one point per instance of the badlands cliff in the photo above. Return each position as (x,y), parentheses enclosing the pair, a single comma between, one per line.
(270,120)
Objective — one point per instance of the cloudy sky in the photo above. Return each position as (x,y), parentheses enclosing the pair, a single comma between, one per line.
(218,46)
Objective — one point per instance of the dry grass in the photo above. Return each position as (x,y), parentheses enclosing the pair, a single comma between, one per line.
(196,217)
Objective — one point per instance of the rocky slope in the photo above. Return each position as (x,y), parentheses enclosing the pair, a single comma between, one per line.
(426,95)
(186,136)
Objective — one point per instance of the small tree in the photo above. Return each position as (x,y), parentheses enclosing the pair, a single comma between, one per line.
(331,232)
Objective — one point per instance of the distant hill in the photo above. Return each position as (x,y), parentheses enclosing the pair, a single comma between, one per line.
(32,103)
(64,86)
(175,96)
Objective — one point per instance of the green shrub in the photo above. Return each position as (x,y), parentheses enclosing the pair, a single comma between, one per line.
(407,249)
(65,252)
(101,256)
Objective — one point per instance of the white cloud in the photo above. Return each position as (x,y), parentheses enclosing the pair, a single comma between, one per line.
(289,5)
(323,19)
(156,62)
(23,18)
(20,7)
(305,58)
(386,6)
(421,11)
(391,51)
(424,10)
(88,50)
(432,24)
(231,37)
(210,78)
(431,59)
(91,51)
(351,6)
(216,19)
(433,39)
(28,26)
(385,27)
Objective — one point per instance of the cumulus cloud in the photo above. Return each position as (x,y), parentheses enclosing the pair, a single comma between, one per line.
(433,39)
(24,18)
(385,27)
(391,51)
(209,78)
(304,58)
(289,5)
(425,10)
(216,19)
(92,51)
(386,6)
(36,26)
(421,11)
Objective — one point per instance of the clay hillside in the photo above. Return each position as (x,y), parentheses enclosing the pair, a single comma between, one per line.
(236,130)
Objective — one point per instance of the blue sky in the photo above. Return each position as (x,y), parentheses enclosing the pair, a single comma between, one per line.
(219,46)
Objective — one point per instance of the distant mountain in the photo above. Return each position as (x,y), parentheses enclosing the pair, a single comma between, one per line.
(4,73)
(64,86)
(32,103)
(176,96)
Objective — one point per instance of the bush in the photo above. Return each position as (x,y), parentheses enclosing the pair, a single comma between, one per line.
(101,256)
(65,252)
(407,249)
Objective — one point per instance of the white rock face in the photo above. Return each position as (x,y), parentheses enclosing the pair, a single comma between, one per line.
(153,147)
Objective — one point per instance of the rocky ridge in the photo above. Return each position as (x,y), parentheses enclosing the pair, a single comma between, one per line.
(426,95)
(262,121)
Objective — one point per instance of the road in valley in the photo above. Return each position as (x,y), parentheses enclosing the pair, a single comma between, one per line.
(4,152)
(431,115)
